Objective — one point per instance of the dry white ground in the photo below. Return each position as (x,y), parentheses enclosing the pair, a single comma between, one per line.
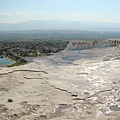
(63,87)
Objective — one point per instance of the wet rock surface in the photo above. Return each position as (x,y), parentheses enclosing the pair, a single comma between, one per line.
(63,88)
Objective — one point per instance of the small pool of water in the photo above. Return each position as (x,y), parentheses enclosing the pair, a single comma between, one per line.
(4,61)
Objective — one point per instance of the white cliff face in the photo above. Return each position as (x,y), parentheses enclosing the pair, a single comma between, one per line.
(73,84)
(82,45)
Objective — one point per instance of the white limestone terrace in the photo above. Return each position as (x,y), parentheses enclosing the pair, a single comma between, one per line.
(81,82)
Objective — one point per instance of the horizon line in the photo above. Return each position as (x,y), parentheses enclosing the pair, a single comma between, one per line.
(59,20)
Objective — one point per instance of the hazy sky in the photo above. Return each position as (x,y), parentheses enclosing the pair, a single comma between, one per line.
(71,10)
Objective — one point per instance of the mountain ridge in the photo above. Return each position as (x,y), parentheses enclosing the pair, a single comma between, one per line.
(60,25)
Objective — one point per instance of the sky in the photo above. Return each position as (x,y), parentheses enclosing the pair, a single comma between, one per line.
(13,11)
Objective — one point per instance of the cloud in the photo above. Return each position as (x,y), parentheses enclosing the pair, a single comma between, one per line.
(6,14)
(22,13)
(77,14)
(62,15)
(70,16)
(31,13)
(35,12)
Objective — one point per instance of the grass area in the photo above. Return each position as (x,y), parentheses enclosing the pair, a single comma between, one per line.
(17,63)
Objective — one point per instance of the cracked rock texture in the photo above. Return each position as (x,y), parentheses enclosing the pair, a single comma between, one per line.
(64,86)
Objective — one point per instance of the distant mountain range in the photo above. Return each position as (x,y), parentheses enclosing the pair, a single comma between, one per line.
(60,25)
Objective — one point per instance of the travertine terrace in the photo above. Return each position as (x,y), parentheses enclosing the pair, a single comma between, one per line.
(81,82)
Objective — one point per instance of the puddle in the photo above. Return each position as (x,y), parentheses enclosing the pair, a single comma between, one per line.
(114,108)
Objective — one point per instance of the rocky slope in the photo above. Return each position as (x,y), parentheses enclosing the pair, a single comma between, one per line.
(75,84)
